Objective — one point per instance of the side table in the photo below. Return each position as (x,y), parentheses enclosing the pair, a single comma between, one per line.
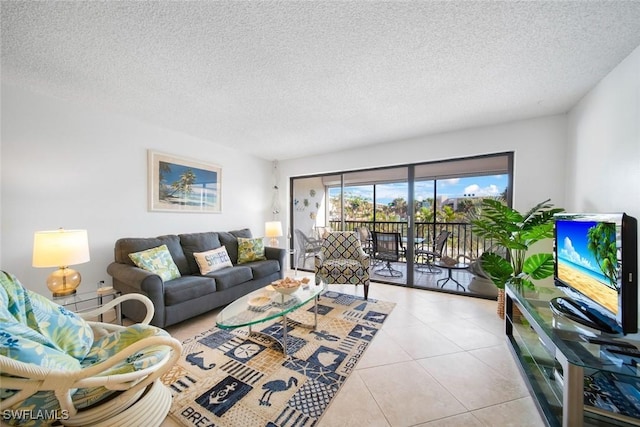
(89,300)
(450,268)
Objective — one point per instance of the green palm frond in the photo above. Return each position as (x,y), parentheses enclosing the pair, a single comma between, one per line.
(516,232)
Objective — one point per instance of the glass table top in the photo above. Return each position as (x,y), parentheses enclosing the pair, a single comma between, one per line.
(266,303)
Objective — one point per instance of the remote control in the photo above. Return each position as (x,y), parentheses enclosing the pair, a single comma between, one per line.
(623,351)
(601,341)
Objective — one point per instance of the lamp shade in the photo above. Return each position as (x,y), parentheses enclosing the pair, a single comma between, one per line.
(273,229)
(60,248)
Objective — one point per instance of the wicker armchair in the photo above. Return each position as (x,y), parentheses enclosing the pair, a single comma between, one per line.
(307,247)
(342,260)
(57,365)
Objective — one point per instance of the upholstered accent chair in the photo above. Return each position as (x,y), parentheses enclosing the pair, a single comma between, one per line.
(62,368)
(341,260)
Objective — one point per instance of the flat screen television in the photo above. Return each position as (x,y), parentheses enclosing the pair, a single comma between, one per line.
(596,265)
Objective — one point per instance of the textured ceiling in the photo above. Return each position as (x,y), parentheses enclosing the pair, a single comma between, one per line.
(289,79)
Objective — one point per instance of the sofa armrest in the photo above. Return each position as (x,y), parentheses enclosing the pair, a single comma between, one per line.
(279,255)
(142,281)
(129,279)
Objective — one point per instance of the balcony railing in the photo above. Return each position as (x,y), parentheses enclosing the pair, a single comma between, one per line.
(461,241)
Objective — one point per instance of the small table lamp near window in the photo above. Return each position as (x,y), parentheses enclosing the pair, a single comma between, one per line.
(61,248)
(273,229)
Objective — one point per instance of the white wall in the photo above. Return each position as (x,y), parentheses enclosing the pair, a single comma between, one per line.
(309,205)
(69,166)
(604,144)
(538,144)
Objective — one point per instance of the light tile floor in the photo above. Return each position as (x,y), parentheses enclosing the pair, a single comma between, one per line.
(439,360)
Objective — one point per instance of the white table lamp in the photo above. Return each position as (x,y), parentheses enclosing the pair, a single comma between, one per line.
(61,248)
(273,229)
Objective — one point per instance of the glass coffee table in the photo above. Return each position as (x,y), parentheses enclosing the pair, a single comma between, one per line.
(267,304)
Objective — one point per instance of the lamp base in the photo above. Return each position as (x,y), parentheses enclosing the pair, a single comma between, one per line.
(64,294)
(273,242)
(63,282)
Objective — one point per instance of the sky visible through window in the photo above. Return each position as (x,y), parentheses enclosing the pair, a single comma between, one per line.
(477,186)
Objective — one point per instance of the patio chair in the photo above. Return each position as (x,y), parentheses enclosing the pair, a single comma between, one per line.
(366,239)
(84,373)
(481,282)
(307,246)
(342,260)
(426,257)
(387,248)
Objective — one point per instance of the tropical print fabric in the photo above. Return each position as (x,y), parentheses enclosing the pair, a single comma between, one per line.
(250,250)
(157,260)
(342,259)
(37,331)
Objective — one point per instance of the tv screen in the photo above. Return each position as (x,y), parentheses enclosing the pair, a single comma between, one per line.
(596,260)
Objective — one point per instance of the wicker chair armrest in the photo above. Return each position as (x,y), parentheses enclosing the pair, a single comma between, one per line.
(119,300)
(29,379)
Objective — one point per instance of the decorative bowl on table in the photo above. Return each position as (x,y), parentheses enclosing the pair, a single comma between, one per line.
(287,285)
(258,302)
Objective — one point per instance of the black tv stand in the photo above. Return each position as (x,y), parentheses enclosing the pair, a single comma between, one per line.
(570,309)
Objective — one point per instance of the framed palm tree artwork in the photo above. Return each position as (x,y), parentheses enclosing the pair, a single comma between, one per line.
(183,185)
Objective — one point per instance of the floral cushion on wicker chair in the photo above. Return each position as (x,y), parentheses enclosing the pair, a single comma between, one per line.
(37,331)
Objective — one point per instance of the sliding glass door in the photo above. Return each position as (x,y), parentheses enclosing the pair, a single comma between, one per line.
(419,203)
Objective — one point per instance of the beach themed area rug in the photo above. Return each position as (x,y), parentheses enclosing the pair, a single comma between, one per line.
(234,378)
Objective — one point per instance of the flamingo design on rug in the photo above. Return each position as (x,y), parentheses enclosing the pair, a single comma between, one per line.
(273,386)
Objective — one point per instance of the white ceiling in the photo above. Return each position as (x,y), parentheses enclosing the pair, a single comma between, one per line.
(283,80)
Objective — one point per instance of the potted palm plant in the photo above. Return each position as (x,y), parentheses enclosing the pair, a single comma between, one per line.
(512,235)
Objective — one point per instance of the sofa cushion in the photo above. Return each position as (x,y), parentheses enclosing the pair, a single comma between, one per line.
(245,233)
(198,242)
(157,260)
(229,277)
(231,243)
(128,245)
(187,288)
(212,260)
(250,250)
(264,268)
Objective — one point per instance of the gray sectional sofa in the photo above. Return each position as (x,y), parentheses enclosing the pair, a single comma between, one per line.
(191,294)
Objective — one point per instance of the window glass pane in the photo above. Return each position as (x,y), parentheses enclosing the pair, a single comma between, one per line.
(423,199)
(458,197)
(358,203)
(391,201)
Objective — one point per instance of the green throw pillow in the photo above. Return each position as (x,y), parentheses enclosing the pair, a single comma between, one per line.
(157,260)
(250,250)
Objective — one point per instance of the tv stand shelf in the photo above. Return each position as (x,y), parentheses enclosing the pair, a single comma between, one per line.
(562,366)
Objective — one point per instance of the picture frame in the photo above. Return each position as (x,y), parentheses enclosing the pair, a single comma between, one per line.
(178,184)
